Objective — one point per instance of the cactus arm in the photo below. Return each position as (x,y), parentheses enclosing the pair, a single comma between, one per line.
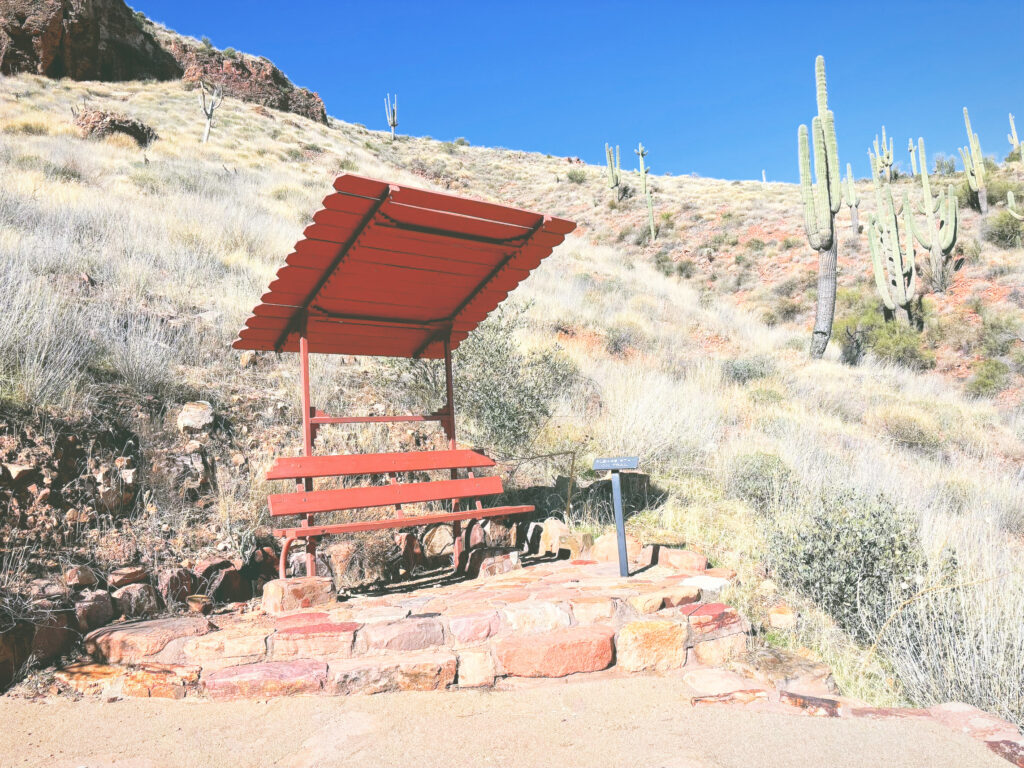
(950,221)
(910,259)
(874,240)
(1011,206)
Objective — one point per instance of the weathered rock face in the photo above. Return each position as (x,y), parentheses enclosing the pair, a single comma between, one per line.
(90,40)
(245,77)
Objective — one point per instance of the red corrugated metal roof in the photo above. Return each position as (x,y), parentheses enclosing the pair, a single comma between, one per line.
(390,270)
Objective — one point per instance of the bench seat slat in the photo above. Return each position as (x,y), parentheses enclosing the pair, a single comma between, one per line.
(311,502)
(401,522)
(294,468)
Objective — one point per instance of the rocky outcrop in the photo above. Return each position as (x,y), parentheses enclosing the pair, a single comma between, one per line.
(244,77)
(91,40)
(106,40)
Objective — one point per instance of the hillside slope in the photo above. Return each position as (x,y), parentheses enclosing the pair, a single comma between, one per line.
(127,275)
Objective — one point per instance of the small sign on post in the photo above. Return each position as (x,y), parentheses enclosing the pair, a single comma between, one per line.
(615,464)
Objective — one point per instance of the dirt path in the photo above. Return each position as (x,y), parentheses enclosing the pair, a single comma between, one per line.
(639,721)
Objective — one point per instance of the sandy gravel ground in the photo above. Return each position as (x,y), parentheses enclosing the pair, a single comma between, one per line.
(624,722)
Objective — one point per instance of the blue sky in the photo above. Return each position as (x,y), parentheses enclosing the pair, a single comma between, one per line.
(716,89)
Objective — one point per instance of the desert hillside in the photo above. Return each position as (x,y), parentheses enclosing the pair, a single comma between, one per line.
(882,500)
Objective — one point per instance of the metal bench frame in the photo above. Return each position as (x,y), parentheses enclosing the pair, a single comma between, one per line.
(306,502)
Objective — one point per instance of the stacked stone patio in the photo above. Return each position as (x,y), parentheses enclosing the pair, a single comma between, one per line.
(555,619)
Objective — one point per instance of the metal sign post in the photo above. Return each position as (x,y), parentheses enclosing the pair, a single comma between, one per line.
(614,465)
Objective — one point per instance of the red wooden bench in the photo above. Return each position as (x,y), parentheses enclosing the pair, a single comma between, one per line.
(307,503)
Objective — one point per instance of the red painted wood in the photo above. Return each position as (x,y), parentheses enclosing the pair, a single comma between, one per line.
(375,463)
(408,521)
(308,503)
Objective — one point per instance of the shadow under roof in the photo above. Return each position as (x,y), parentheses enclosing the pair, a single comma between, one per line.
(393,271)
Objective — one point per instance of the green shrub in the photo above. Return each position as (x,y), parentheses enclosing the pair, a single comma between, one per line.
(504,394)
(462,142)
(999,331)
(576,175)
(756,244)
(990,378)
(686,268)
(846,551)
(790,242)
(908,427)
(760,479)
(230,53)
(741,370)
(944,166)
(899,344)
(624,336)
(1003,230)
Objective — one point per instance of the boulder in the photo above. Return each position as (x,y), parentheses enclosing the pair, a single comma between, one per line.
(98,123)
(136,601)
(281,595)
(230,586)
(93,608)
(15,647)
(488,561)
(786,670)
(410,634)
(130,574)
(606,548)
(531,617)
(781,616)
(497,534)
(676,559)
(558,653)
(266,680)
(194,417)
(80,577)
(476,667)
(416,671)
(651,646)
(717,651)
(552,532)
(438,542)
(175,584)
(56,632)
(135,642)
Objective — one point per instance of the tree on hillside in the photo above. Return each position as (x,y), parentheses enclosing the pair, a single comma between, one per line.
(821,200)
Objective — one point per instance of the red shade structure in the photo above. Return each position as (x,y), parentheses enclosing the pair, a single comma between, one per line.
(392,271)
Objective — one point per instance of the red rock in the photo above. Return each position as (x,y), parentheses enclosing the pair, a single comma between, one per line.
(708,681)
(721,573)
(227,648)
(528,617)
(681,596)
(812,705)
(310,641)
(56,634)
(90,679)
(678,559)
(592,610)
(230,586)
(301,619)
(710,617)
(656,645)
(281,595)
(411,634)
(415,671)
(473,626)
(209,567)
(556,654)
(484,561)
(136,601)
(130,574)
(160,681)
(175,584)
(646,602)
(79,577)
(606,548)
(476,667)
(15,648)
(1010,750)
(552,531)
(133,642)
(732,697)
(716,652)
(973,721)
(266,680)
(93,608)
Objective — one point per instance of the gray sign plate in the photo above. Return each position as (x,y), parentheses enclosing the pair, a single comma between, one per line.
(617,462)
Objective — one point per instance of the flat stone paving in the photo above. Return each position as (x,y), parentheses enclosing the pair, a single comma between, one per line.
(554,619)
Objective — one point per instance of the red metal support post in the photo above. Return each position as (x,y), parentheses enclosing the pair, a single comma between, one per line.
(308,432)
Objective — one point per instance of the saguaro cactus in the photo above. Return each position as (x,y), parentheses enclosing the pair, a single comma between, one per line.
(884,155)
(391,111)
(642,153)
(1014,141)
(216,96)
(893,263)
(974,165)
(942,217)
(852,200)
(821,201)
(614,168)
(913,158)
(1011,206)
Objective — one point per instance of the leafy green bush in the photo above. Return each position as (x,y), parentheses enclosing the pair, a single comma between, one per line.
(999,331)
(846,551)
(944,166)
(576,175)
(790,242)
(686,268)
(908,427)
(1003,230)
(760,479)
(503,394)
(462,141)
(990,378)
(899,344)
(742,370)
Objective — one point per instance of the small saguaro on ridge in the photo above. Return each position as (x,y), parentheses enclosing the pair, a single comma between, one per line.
(216,95)
(974,165)
(391,110)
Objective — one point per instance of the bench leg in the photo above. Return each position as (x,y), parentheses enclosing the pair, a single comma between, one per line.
(311,556)
(456,545)
(282,566)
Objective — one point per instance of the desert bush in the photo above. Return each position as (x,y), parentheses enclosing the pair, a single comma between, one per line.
(790,242)
(846,550)
(686,268)
(624,336)
(760,479)
(1003,229)
(742,370)
(576,175)
(142,350)
(908,427)
(996,188)
(999,331)
(990,378)
(943,165)
(503,393)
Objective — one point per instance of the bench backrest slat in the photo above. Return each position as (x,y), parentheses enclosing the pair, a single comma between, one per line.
(293,468)
(311,502)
